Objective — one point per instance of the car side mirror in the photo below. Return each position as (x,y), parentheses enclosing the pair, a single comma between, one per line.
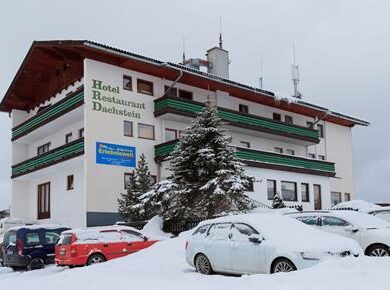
(255,238)
(145,238)
(351,229)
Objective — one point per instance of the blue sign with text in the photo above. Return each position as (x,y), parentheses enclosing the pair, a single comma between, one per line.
(113,154)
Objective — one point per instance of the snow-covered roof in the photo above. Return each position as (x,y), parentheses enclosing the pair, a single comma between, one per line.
(40,226)
(357,204)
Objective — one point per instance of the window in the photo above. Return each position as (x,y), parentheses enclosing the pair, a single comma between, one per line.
(334,222)
(290,152)
(385,215)
(271,189)
(32,239)
(131,236)
(289,191)
(317,197)
(243,108)
(347,196)
(180,133)
(201,231)
(310,125)
(335,198)
(309,220)
(245,144)
(128,177)
(171,93)
(68,138)
(320,129)
(321,157)
(219,232)
(145,131)
(110,237)
(312,156)
(242,232)
(127,83)
(51,238)
(81,133)
(69,182)
(288,119)
(128,128)
(305,192)
(170,134)
(43,148)
(44,201)
(185,94)
(278,150)
(144,87)
(276,117)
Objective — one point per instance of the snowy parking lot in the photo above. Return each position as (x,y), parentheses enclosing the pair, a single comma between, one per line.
(163,266)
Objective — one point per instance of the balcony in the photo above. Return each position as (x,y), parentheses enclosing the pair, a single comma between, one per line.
(49,114)
(265,126)
(265,159)
(57,155)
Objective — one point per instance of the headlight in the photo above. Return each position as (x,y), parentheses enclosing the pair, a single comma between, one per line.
(310,256)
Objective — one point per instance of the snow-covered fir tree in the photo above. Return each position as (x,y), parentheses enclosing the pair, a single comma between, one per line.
(207,179)
(278,201)
(132,204)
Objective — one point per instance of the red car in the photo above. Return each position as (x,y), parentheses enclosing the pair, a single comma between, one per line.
(97,245)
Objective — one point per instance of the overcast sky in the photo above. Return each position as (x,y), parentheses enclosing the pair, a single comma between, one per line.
(343,49)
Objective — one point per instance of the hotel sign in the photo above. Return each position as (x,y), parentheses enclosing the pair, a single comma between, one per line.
(113,154)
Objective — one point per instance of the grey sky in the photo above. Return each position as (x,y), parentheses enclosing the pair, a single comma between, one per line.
(343,49)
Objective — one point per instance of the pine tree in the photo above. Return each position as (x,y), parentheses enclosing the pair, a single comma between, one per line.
(132,205)
(278,201)
(207,178)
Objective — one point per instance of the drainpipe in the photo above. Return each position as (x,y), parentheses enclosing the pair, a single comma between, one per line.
(174,82)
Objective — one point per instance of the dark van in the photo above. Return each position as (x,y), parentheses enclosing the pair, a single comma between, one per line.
(30,247)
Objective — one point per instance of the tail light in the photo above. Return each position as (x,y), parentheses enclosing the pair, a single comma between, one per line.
(186,245)
(19,247)
(73,252)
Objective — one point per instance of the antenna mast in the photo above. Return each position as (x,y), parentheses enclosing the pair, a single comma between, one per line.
(184,49)
(295,75)
(220,32)
(261,79)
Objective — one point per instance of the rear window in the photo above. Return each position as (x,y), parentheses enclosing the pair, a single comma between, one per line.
(10,238)
(202,230)
(65,239)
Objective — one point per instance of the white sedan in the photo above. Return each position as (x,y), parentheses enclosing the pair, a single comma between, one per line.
(372,233)
(261,243)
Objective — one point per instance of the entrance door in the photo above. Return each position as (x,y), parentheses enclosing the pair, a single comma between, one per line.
(317,197)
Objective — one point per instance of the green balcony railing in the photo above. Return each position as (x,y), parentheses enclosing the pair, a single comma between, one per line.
(190,108)
(265,159)
(49,114)
(62,153)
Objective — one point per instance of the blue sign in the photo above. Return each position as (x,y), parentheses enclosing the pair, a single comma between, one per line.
(113,154)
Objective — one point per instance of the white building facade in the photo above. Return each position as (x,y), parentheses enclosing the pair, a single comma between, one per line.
(85,114)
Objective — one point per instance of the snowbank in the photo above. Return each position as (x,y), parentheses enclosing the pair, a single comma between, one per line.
(284,210)
(163,267)
(358,204)
(154,229)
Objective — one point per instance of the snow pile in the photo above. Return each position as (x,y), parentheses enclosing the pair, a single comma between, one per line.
(357,204)
(163,267)
(154,229)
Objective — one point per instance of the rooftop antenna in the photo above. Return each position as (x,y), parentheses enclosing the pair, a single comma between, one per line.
(184,49)
(261,79)
(295,75)
(220,32)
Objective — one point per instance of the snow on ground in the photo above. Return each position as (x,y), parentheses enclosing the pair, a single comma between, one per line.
(154,228)
(358,204)
(162,267)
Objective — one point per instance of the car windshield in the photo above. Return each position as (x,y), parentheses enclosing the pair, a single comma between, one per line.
(364,220)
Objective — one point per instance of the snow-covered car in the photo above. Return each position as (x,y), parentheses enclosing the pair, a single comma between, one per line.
(99,244)
(382,213)
(261,243)
(372,233)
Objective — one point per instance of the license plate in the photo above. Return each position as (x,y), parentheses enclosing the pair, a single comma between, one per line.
(10,252)
(62,252)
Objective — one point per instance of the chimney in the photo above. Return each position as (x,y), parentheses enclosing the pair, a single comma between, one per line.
(219,61)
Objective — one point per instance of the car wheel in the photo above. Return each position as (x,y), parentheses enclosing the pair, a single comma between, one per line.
(95,259)
(283,265)
(379,251)
(203,265)
(36,264)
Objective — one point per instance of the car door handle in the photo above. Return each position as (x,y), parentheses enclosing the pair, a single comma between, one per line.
(105,245)
(129,244)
